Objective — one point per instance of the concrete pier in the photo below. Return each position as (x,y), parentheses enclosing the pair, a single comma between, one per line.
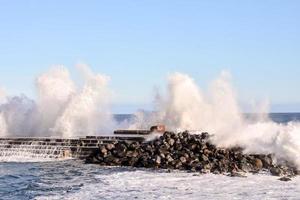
(60,148)
(79,148)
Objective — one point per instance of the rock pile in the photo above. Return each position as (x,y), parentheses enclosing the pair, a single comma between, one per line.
(185,151)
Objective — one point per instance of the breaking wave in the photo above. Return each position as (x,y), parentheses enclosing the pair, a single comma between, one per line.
(186,107)
(67,109)
(63,108)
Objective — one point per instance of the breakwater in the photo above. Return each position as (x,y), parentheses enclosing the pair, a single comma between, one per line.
(165,150)
(189,152)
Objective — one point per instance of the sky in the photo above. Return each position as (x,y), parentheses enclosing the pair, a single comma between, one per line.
(138,43)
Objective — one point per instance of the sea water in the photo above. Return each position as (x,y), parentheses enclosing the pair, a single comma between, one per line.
(38,178)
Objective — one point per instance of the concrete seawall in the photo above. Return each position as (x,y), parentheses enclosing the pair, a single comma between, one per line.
(78,148)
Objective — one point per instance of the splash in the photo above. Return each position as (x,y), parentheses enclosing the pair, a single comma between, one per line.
(87,111)
(63,108)
(186,107)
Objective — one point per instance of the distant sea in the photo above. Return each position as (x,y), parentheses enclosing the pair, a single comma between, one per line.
(276,117)
(284,117)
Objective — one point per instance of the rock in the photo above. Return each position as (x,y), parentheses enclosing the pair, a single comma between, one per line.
(276,171)
(245,166)
(207,166)
(134,145)
(171,142)
(109,160)
(103,150)
(169,158)
(185,134)
(285,179)
(204,136)
(129,154)
(207,152)
(110,146)
(178,146)
(193,147)
(158,143)
(120,150)
(258,164)
(183,159)
(296,171)
(204,158)
(178,165)
(135,154)
(237,174)
(167,135)
(267,161)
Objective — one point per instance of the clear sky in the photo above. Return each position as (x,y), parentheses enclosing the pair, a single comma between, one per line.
(139,42)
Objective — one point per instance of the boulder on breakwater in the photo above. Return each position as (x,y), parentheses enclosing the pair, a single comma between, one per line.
(185,151)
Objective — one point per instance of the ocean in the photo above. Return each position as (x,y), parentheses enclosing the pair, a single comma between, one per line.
(35,178)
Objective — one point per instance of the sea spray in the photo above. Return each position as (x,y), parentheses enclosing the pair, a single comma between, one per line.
(18,116)
(87,111)
(62,107)
(186,107)
(54,89)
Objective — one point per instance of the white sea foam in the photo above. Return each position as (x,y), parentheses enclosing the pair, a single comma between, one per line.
(181,185)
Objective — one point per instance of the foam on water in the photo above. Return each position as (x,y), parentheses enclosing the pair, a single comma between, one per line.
(74,180)
(141,184)
(25,157)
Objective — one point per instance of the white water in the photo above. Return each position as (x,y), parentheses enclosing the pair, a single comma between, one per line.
(150,185)
(63,108)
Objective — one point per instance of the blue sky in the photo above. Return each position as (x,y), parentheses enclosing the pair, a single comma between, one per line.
(138,43)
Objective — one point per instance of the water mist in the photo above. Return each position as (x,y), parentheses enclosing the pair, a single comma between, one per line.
(63,108)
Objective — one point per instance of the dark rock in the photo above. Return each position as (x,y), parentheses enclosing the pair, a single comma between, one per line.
(120,149)
(183,159)
(169,158)
(183,151)
(204,158)
(134,145)
(285,179)
(171,141)
(236,174)
(204,136)
(245,166)
(275,171)
(178,165)
(267,161)
(193,147)
(103,150)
